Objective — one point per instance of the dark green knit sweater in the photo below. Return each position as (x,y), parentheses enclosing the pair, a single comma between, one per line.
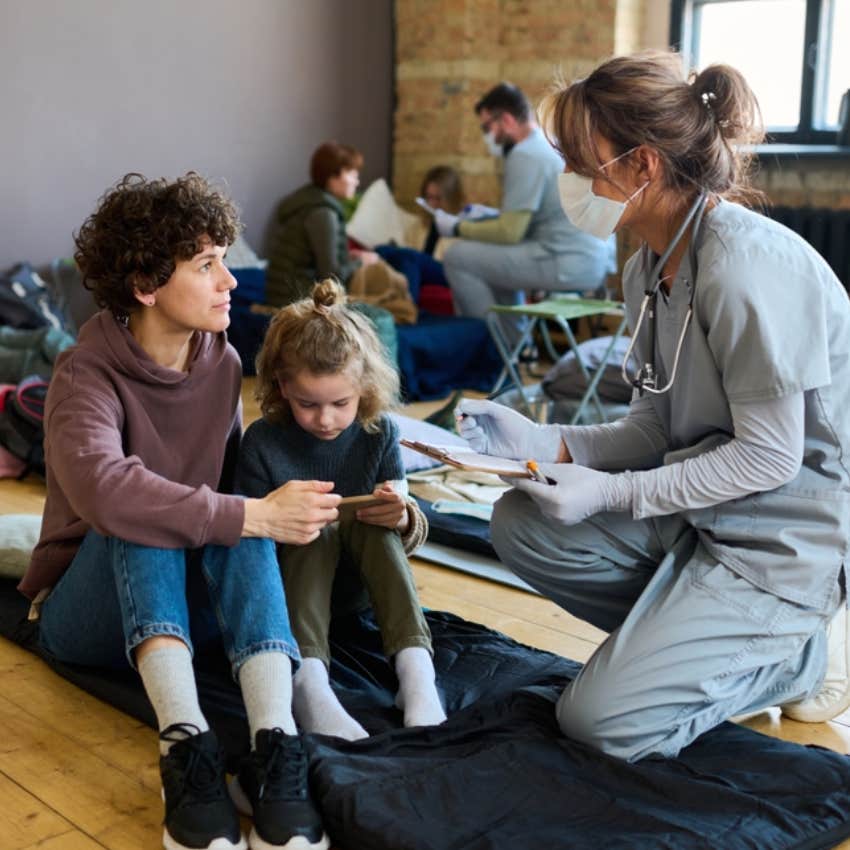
(356,461)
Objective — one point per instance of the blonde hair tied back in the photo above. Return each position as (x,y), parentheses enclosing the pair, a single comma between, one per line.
(702,125)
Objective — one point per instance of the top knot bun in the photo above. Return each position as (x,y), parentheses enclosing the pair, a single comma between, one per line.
(328,293)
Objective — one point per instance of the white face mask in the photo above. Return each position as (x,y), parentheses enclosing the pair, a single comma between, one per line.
(594,214)
(494,147)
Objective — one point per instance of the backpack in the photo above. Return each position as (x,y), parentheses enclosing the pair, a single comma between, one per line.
(25,301)
(22,421)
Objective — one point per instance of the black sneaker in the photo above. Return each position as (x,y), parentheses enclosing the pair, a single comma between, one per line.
(199,814)
(272,786)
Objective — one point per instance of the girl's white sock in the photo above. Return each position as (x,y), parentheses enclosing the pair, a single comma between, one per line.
(316,706)
(417,693)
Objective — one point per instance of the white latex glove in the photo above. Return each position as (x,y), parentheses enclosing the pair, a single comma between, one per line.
(577,492)
(445,222)
(493,429)
(475,212)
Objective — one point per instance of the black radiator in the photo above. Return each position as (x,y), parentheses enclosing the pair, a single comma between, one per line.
(826,230)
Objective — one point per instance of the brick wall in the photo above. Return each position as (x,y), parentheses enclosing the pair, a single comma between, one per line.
(805,182)
(450,52)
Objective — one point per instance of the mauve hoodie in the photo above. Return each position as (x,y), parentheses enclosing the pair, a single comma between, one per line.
(135,450)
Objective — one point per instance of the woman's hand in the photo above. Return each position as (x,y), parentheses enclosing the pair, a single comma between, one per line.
(294,513)
(574,493)
(392,513)
(367,258)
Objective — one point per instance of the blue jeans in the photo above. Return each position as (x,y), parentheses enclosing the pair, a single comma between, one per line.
(115,595)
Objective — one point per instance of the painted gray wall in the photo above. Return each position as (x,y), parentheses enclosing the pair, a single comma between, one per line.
(239,90)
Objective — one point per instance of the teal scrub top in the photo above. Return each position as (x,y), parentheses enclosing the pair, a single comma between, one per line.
(770,319)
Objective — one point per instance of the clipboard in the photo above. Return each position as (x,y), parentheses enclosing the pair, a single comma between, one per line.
(462,458)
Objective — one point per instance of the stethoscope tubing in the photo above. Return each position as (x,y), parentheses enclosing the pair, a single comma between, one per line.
(645,380)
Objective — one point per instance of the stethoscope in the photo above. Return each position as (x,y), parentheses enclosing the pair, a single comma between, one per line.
(647,378)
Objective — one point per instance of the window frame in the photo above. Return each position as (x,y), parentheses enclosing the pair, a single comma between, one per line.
(682,37)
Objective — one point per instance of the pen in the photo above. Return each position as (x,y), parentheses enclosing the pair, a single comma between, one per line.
(536,474)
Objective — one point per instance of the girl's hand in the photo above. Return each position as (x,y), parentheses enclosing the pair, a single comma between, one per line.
(392,513)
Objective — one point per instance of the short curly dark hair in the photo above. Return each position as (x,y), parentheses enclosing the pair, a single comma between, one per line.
(141,228)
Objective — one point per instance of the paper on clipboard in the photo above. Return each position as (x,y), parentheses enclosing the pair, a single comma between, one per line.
(463,458)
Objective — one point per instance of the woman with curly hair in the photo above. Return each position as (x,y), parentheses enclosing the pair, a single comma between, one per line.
(325,386)
(141,540)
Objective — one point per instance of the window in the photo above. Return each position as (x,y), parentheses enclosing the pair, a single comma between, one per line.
(790,51)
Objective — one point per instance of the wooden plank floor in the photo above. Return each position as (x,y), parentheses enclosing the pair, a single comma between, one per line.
(76,774)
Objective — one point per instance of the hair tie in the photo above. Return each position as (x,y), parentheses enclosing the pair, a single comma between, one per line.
(707,97)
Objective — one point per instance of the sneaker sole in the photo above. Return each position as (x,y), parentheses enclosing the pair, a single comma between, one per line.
(815,714)
(297,842)
(216,844)
(220,843)
(808,711)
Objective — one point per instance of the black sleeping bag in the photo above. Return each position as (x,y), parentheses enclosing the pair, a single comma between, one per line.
(498,774)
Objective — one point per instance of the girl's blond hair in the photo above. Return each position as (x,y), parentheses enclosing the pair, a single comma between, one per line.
(322,335)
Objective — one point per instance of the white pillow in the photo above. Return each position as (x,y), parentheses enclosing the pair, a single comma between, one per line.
(378,219)
(18,535)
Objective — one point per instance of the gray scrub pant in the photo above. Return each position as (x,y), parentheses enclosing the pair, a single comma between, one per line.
(482,274)
(691,643)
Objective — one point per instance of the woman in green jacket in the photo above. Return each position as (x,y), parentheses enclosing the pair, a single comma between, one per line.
(309,240)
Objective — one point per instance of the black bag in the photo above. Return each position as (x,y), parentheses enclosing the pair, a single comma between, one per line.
(25,301)
(22,422)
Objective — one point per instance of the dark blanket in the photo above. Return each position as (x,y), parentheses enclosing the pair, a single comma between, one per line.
(498,775)
(440,354)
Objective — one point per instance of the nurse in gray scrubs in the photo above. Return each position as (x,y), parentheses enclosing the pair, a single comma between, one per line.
(708,530)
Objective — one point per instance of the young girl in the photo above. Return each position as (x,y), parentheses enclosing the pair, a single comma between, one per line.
(324,385)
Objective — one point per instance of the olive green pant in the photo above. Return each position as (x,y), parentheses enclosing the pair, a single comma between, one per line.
(379,556)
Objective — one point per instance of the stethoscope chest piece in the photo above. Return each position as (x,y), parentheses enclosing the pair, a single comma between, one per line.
(646,379)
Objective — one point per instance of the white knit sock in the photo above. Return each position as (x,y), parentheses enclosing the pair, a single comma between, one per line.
(169,680)
(417,693)
(266,683)
(317,707)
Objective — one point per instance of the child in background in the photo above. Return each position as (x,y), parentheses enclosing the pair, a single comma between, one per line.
(442,189)
(324,386)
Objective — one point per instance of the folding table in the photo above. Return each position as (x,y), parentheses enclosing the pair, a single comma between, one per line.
(559,310)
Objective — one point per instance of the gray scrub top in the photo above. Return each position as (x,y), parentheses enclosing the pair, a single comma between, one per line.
(530,183)
(770,319)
